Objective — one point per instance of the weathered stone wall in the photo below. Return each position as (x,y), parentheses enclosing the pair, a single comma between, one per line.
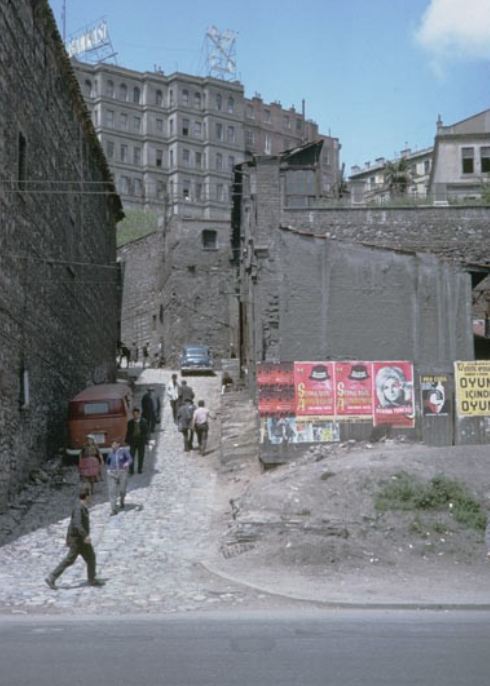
(58,276)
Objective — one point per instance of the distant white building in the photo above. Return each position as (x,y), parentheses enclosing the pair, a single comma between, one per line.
(461,158)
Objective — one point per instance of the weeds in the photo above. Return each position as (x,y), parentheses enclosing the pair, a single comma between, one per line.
(406,492)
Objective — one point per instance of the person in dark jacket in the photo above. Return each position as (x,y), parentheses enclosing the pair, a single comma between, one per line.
(185,393)
(149,408)
(137,438)
(184,423)
(78,540)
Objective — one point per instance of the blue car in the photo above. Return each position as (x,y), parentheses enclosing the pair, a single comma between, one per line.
(196,358)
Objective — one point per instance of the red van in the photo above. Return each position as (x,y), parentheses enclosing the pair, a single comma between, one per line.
(102,411)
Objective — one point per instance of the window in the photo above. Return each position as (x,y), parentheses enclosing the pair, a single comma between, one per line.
(186,157)
(219,161)
(250,112)
(231,163)
(124,185)
(185,127)
(426,166)
(109,148)
(171,158)
(198,191)
(230,105)
(21,160)
(172,189)
(123,92)
(123,120)
(468,160)
(185,97)
(186,189)
(136,123)
(219,132)
(171,97)
(87,88)
(209,239)
(109,89)
(267,116)
(159,125)
(220,192)
(137,156)
(299,125)
(268,144)
(124,152)
(158,98)
(230,134)
(485,159)
(197,129)
(95,117)
(158,158)
(197,101)
(161,189)
(219,102)
(136,95)
(198,159)
(171,127)
(286,121)
(249,138)
(138,187)
(109,118)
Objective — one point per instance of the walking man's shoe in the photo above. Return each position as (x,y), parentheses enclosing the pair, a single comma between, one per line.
(98,583)
(50,581)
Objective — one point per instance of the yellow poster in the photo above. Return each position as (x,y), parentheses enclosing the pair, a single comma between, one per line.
(472,386)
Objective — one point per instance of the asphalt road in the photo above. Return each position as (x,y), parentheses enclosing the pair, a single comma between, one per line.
(327,648)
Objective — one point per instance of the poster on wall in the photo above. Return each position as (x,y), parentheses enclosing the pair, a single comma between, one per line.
(288,430)
(354,390)
(435,398)
(393,394)
(314,388)
(472,386)
(275,389)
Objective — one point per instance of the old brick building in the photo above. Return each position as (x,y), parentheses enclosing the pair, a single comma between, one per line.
(59,280)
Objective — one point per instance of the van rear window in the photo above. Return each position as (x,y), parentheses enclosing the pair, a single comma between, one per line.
(107,408)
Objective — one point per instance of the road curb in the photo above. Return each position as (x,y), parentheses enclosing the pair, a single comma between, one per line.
(337,604)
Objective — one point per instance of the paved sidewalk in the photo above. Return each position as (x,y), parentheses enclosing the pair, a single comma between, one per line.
(150,554)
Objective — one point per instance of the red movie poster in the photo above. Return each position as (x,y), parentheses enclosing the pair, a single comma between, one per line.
(393,394)
(275,388)
(314,388)
(354,389)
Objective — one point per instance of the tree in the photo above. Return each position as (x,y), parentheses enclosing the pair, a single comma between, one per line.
(397,176)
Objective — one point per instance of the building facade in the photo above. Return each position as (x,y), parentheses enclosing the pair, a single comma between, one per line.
(174,140)
(461,166)
(59,284)
(370,183)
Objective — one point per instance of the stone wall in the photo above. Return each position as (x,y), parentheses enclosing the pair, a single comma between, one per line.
(58,276)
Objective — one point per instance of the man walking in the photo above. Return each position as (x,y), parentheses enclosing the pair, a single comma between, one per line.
(200,425)
(118,462)
(173,389)
(184,423)
(148,409)
(185,393)
(136,438)
(79,542)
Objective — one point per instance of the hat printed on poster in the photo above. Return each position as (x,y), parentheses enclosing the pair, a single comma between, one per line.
(319,373)
(358,372)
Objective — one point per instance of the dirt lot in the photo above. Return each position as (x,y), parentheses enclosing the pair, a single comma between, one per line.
(311,529)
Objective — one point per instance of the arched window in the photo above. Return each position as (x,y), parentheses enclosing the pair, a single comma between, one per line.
(209,239)
(123,92)
(197,101)
(109,89)
(230,105)
(136,95)
(185,97)
(87,88)
(158,98)
(219,101)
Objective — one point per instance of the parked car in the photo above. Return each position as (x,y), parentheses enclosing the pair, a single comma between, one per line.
(196,358)
(102,411)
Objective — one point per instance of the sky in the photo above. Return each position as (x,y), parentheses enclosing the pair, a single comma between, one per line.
(374,73)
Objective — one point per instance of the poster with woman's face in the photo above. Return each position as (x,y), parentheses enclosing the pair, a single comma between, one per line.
(393,394)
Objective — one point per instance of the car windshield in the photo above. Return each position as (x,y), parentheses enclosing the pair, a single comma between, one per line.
(201,352)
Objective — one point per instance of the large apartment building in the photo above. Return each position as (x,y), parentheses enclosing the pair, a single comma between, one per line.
(173,140)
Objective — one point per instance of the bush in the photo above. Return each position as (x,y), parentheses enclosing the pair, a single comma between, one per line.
(406,492)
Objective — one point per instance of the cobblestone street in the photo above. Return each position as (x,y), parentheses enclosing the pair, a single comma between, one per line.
(150,554)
